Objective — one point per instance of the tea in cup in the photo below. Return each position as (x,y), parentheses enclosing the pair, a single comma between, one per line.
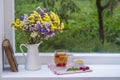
(61,58)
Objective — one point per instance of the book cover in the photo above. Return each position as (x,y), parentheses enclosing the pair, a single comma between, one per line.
(10,55)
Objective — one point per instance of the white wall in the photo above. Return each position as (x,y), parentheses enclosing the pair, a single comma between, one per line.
(1,31)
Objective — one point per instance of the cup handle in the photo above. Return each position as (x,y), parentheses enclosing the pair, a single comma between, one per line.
(70,59)
(21,45)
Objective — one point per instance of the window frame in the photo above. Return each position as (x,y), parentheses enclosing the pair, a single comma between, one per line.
(9,32)
(7,16)
(1,32)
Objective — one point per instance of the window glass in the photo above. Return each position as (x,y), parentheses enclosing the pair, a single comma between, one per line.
(82,31)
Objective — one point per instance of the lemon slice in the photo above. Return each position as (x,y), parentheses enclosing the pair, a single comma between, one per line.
(79,60)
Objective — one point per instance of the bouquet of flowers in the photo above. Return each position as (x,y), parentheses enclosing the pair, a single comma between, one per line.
(38,25)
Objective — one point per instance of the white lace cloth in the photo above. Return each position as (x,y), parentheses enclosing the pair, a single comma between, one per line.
(63,70)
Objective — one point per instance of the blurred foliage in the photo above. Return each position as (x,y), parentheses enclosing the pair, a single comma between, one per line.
(81,30)
(65,9)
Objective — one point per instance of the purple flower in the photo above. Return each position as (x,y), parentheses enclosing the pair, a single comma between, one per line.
(42,14)
(21,18)
(39,27)
(44,31)
(51,33)
(30,28)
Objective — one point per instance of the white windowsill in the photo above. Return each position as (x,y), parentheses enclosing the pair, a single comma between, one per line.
(104,66)
(100,72)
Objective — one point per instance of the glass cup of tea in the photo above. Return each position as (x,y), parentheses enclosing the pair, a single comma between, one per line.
(61,58)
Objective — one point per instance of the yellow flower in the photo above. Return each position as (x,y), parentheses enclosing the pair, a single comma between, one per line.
(17,24)
(31,21)
(35,13)
(52,15)
(40,20)
(62,26)
(55,19)
(17,21)
(46,18)
(53,27)
(31,17)
(12,24)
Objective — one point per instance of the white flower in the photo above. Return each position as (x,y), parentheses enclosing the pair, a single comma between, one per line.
(34,34)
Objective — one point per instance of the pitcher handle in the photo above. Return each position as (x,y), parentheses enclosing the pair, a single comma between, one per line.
(21,45)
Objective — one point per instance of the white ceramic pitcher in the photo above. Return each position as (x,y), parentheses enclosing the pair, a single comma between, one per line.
(32,60)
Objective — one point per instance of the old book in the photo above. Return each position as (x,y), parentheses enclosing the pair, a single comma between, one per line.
(10,55)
